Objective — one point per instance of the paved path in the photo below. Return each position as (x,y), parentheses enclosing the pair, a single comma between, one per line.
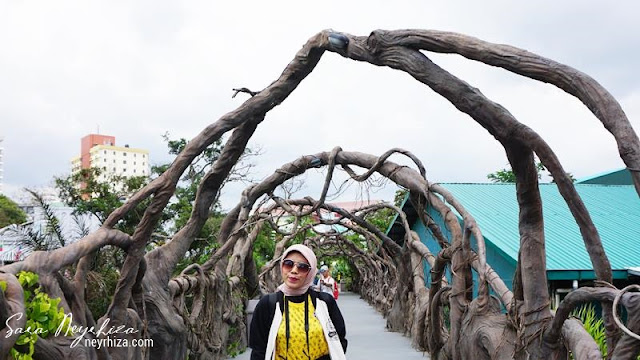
(366,333)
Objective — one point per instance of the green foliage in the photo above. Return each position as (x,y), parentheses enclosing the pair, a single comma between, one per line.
(381,219)
(234,348)
(100,195)
(181,205)
(399,197)
(35,237)
(502,176)
(179,210)
(43,239)
(53,228)
(264,246)
(10,213)
(507,175)
(103,279)
(43,315)
(204,245)
(90,192)
(303,235)
(342,269)
(446,315)
(265,243)
(593,324)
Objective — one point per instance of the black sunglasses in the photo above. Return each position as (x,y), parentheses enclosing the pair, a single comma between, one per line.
(302,267)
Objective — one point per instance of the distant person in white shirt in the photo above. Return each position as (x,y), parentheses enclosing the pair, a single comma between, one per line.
(326,282)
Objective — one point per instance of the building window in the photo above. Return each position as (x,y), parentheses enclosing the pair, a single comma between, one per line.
(124,161)
(134,154)
(114,153)
(105,152)
(105,160)
(124,170)
(114,169)
(124,154)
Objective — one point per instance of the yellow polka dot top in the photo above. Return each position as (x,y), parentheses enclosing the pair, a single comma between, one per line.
(297,344)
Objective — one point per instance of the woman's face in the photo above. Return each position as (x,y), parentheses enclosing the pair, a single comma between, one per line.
(292,276)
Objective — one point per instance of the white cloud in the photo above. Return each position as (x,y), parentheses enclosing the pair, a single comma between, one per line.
(138,69)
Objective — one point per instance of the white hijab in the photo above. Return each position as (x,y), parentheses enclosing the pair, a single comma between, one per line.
(313,262)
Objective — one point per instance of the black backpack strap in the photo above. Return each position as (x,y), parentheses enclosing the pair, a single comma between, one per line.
(276,298)
(314,297)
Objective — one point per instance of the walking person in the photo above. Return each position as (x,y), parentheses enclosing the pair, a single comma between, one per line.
(326,283)
(297,322)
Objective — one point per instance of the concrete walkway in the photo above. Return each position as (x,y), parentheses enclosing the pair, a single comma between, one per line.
(366,334)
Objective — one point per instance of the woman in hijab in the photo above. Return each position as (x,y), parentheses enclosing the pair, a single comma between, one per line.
(297,322)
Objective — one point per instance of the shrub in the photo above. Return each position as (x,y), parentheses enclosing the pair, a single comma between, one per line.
(44,316)
(594,325)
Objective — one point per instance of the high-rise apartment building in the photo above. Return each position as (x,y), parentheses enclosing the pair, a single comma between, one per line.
(100,151)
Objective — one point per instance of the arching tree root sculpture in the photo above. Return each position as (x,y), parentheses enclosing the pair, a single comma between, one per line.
(199,313)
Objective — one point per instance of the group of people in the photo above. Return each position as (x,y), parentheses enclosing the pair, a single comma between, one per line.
(300,321)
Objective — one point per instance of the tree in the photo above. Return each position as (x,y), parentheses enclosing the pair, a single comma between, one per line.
(86,193)
(35,237)
(178,211)
(10,213)
(507,176)
(382,218)
(101,197)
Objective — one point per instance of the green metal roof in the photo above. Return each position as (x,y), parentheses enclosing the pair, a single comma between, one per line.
(613,177)
(615,210)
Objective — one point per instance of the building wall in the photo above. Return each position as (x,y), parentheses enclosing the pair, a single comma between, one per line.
(100,151)
(76,164)
(88,142)
(122,161)
(427,238)
(559,282)
(11,246)
(503,265)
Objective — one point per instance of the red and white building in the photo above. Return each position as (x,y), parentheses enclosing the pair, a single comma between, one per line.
(101,151)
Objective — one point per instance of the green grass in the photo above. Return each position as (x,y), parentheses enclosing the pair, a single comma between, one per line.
(594,325)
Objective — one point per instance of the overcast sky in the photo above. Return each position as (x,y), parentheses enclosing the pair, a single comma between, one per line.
(138,69)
